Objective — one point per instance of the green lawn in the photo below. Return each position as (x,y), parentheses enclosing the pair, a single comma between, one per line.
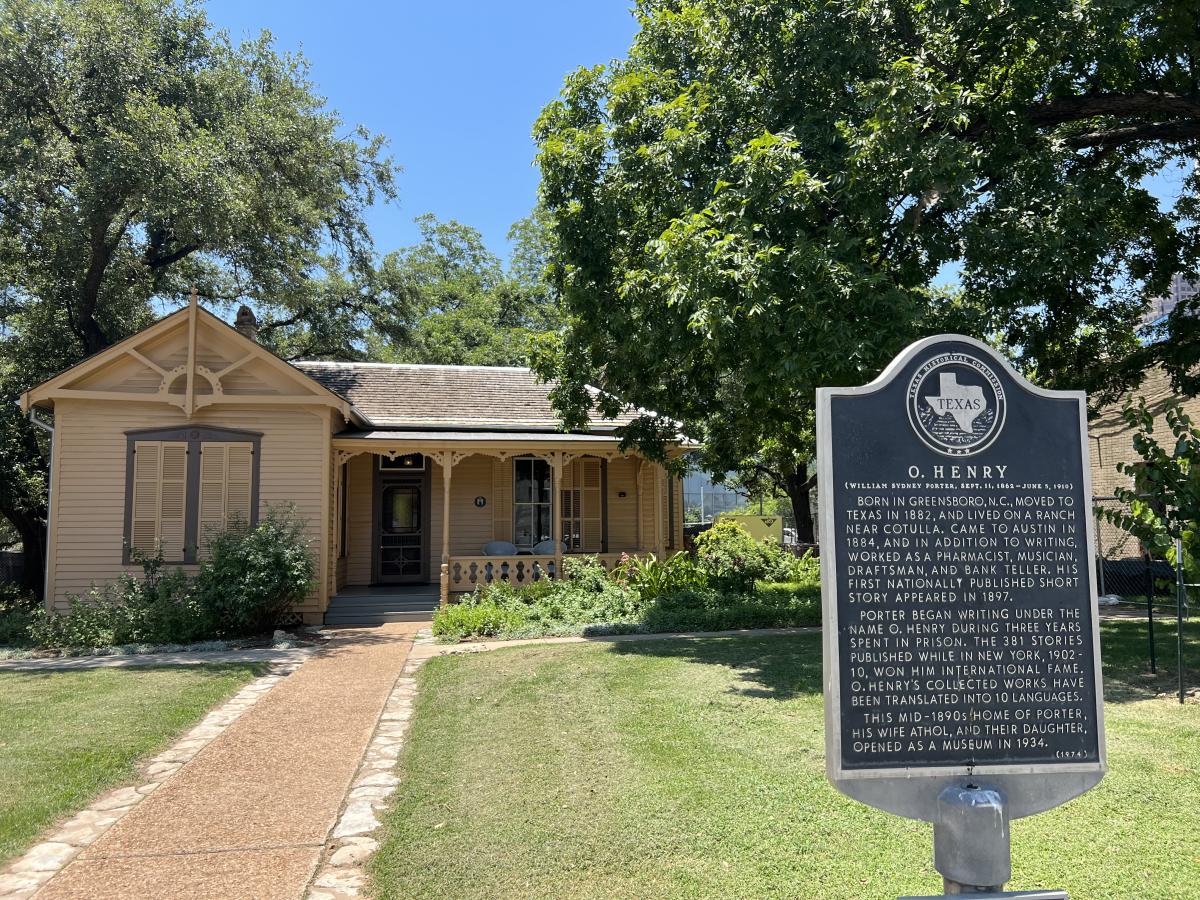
(67,736)
(696,769)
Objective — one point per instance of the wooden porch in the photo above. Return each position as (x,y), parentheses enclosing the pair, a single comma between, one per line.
(471,502)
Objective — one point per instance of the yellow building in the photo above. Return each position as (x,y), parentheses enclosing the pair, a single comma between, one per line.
(417,482)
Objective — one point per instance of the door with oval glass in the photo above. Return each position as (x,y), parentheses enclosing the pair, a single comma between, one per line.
(402,554)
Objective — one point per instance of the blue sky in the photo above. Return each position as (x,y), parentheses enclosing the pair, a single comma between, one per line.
(455,85)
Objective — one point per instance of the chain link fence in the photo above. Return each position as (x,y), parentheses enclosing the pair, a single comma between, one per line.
(1125,574)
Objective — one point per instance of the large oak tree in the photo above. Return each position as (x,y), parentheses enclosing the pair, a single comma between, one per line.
(758,200)
(142,152)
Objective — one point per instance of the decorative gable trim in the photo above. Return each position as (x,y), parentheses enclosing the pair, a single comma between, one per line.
(192,372)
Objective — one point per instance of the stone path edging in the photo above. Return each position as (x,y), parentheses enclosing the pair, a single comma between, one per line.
(28,873)
(341,872)
(292,656)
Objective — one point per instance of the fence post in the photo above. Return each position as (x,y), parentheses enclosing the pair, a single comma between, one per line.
(1150,611)
(1179,589)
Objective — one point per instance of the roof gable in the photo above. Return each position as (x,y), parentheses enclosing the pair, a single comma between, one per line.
(190,359)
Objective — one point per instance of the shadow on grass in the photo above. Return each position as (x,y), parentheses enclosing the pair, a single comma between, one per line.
(781,667)
(774,667)
(1125,656)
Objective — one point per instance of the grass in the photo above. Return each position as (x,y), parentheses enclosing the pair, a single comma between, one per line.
(696,769)
(65,737)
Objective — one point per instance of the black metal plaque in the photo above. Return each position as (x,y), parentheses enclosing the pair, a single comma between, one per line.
(956,533)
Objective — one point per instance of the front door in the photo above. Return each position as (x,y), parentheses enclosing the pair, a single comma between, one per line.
(402,554)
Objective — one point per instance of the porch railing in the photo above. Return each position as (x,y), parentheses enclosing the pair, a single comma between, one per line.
(470,572)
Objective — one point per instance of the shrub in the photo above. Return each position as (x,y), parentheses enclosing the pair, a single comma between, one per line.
(793,569)
(732,560)
(647,594)
(155,609)
(17,608)
(650,577)
(482,618)
(586,596)
(254,577)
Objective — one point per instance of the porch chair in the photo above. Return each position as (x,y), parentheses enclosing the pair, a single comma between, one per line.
(499,548)
(546,548)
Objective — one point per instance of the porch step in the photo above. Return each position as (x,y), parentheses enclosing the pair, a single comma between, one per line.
(374,606)
(377,617)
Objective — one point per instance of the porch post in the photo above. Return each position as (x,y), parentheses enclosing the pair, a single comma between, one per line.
(447,462)
(641,478)
(660,546)
(556,465)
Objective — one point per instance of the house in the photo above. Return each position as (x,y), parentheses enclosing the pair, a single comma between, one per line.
(411,478)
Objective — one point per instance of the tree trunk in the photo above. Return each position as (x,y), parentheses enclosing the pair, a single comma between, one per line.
(33,550)
(798,486)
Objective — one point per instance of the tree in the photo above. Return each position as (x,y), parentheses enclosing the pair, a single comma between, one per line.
(757,201)
(141,152)
(457,305)
(1162,504)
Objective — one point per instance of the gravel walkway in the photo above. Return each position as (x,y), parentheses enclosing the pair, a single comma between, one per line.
(249,816)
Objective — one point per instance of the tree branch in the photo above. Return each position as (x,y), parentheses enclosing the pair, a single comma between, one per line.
(158,262)
(1160,131)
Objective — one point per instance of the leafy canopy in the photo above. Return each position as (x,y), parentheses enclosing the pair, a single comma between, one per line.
(454,302)
(142,152)
(757,201)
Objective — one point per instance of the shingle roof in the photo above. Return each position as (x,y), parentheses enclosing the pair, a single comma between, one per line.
(422,396)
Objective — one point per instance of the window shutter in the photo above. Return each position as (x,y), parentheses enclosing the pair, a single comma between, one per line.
(591,526)
(173,502)
(212,493)
(569,505)
(225,475)
(502,488)
(239,466)
(159,498)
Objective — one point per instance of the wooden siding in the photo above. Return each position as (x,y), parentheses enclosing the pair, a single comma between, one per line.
(89,489)
(360,513)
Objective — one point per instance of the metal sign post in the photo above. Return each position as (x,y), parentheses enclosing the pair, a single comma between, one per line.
(962,664)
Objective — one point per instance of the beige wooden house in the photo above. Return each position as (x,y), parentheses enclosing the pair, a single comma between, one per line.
(417,482)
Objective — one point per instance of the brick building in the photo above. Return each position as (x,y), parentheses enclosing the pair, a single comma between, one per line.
(1111,442)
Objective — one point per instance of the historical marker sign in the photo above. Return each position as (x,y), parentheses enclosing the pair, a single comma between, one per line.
(961,635)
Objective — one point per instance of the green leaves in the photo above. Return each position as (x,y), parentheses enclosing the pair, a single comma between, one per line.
(1162,501)
(759,200)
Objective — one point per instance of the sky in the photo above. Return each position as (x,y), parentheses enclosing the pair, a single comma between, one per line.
(454,85)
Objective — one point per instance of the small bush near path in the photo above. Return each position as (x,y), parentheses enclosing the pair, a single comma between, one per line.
(254,577)
(251,580)
(695,768)
(66,737)
(733,582)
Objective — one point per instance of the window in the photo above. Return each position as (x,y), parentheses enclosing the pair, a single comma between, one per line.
(407,462)
(184,485)
(531,502)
